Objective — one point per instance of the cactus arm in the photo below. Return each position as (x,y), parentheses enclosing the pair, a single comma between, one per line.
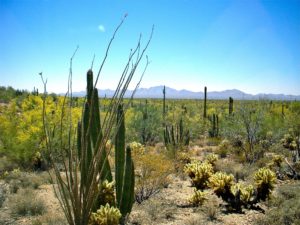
(119,154)
(128,185)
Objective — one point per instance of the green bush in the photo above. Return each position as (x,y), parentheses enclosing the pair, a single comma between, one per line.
(25,203)
(284,208)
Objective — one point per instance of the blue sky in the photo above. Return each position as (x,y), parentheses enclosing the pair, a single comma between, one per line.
(251,45)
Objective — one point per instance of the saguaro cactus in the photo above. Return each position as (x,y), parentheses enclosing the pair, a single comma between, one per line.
(214,130)
(164,103)
(230,105)
(205,98)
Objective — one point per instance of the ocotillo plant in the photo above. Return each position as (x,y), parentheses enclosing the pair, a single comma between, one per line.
(124,174)
(230,105)
(205,98)
(81,165)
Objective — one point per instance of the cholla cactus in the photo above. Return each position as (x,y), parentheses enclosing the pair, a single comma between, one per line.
(246,193)
(106,215)
(137,148)
(289,142)
(211,159)
(106,193)
(198,198)
(199,173)
(264,180)
(221,184)
(276,161)
(183,157)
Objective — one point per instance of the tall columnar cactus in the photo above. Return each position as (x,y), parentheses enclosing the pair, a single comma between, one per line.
(205,98)
(164,104)
(214,130)
(89,136)
(124,175)
(230,105)
(176,137)
(89,131)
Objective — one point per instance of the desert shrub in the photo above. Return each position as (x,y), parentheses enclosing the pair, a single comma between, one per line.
(284,208)
(14,186)
(197,198)
(288,141)
(15,174)
(240,171)
(25,203)
(211,209)
(152,171)
(18,179)
(223,149)
(3,193)
(50,219)
(6,165)
(199,173)
(182,158)
(213,142)
(106,215)
(31,180)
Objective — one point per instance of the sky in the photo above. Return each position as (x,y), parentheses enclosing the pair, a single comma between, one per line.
(250,45)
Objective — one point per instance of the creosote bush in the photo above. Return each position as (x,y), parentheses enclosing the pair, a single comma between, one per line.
(152,172)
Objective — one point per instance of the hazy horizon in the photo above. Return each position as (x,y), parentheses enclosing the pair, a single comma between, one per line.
(250,45)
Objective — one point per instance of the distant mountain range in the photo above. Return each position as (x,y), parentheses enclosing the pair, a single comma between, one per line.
(156,92)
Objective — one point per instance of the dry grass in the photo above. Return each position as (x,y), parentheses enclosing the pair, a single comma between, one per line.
(25,203)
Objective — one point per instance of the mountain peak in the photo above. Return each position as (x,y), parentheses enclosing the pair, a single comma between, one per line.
(171,93)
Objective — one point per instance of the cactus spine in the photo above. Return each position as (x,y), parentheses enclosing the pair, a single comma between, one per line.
(205,98)
(230,105)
